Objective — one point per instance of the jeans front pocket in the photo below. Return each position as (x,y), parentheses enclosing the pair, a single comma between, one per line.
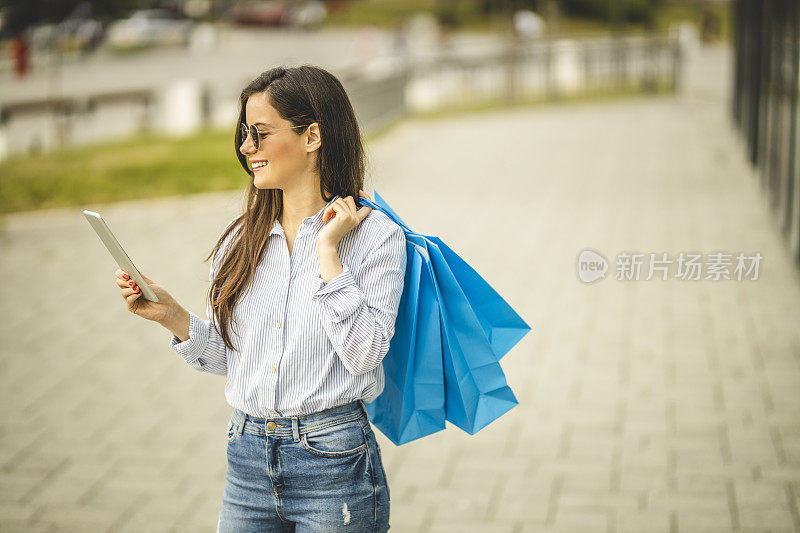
(340,440)
(232,433)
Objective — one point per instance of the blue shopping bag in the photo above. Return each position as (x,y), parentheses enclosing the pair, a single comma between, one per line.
(501,324)
(476,392)
(412,402)
(476,328)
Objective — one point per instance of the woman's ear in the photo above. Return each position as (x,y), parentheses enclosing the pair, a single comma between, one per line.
(314,139)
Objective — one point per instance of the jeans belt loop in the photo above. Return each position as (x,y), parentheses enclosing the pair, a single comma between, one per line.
(240,419)
(295,429)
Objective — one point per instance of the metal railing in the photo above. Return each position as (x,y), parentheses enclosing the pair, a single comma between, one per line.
(546,70)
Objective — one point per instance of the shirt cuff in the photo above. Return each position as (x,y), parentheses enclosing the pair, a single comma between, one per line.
(340,297)
(192,348)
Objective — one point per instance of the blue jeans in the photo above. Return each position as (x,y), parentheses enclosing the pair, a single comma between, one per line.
(316,473)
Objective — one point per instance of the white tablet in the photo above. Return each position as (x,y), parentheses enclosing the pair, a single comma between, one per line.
(118,253)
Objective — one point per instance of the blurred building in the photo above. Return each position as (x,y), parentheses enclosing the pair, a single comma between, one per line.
(767,67)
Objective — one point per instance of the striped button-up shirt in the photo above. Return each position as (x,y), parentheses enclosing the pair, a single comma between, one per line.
(303,345)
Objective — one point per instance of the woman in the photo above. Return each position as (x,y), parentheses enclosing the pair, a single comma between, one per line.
(311,285)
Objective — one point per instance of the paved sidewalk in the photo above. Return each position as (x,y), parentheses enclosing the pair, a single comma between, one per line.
(645,406)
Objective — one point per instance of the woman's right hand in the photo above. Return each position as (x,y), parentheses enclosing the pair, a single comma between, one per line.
(138,305)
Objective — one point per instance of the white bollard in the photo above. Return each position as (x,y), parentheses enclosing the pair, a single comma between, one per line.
(567,66)
(180,107)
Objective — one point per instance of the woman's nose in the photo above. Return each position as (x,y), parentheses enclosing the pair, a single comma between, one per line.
(247,147)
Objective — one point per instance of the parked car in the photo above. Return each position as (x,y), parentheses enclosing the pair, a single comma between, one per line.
(149,27)
(43,36)
(303,14)
(79,31)
(261,14)
(83,34)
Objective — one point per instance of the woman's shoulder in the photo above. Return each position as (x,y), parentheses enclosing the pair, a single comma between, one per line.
(377,225)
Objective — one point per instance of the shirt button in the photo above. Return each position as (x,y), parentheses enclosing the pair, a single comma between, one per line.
(277,324)
(271,425)
(274,369)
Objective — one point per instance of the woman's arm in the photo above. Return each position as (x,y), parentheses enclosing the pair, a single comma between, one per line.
(360,310)
(179,324)
(330,265)
(193,338)
(198,342)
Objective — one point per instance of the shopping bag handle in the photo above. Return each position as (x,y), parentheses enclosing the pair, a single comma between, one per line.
(369,203)
(381,206)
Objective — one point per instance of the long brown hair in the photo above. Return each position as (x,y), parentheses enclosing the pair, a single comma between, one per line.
(301,95)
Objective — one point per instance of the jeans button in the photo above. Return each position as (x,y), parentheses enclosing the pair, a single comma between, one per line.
(271,425)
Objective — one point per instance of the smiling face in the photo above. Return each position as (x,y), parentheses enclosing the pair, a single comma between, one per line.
(282,157)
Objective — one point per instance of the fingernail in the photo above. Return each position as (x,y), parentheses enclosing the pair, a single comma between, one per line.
(131,283)
(136,289)
(125,276)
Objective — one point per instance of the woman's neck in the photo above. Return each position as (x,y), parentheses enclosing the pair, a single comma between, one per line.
(299,205)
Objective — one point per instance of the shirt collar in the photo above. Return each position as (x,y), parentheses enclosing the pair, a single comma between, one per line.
(315,221)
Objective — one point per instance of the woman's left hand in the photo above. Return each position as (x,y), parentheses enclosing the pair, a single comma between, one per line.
(339,218)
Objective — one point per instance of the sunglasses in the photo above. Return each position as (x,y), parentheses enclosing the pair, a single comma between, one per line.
(257,136)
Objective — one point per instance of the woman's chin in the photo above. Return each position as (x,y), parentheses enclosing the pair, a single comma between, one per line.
(261,182)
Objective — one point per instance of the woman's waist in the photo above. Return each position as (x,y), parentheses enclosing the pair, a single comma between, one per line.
(293,393)
(284,425)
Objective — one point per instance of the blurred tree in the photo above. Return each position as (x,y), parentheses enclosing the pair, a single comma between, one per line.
(509,6)
(614,11)
(19,15)
(446,13)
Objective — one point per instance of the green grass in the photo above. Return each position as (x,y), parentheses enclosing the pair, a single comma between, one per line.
(143,167)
